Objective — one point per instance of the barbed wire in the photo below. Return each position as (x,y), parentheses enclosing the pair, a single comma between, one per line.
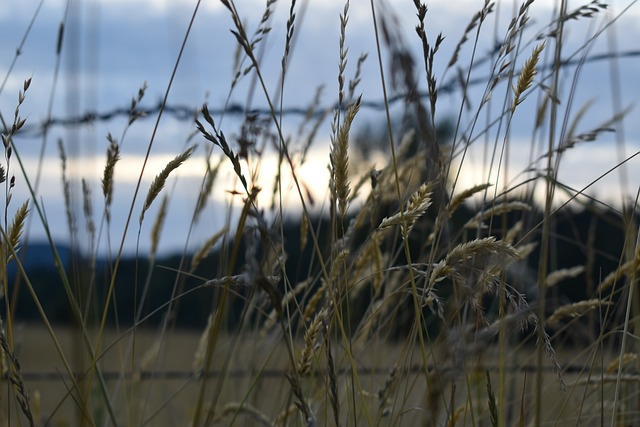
(281,373)
(187,112)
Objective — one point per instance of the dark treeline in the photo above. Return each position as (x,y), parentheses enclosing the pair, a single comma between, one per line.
(590,236)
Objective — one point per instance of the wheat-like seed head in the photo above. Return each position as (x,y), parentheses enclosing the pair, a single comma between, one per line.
(66,189)
(206,248)
(161,179)
(465,253)
(459,199)
(340,159)
(201,350)
(87,206)
(368,264)
(562,274)
(272,317)
(574,310)
(498,209)
(156,230)
(627,359)
(513,232)
(416,207)
(113,156)
(385,392)
(16,379)
(210,178)
(17,226)
(304,231)
(526,76)
(310,344)
(626,269)
(315,299)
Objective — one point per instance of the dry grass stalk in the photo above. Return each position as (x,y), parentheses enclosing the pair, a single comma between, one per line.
(311,345)
(416,207)
(158,224)
(66,190)
(608,126)
(493,407)
(304,232)
(290,296)
(218,138)
(159,181)
(627,359)
(301,401)
(338,264)
(429,53)
(15,376)
(342,63)
(334,397)
(527,74)
(574,310)
(459,199)
(479,17)
(480,262)
(203,197)
(87,207)
(113,156)
(586,11)
(17,226)
(626,269)
(340,159)
(368,264)
(18,122)
(243,40)
(516,25)
(463,257)
(498,209)
(458,414)
(597,380)
(526,249)
(513,233)
(289,37)
(148,359)
(206,247)
(313,302)
(134,113)
(385,392)
(4,366)
(565,273)
(355,81)
(370,320)
(201,350)
(282,417)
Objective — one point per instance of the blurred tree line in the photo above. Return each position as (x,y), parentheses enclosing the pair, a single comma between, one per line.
(588,235)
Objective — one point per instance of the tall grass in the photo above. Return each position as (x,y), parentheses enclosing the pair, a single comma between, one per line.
(415,301)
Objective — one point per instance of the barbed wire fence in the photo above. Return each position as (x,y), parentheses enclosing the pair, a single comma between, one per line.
(281,373)
(183,112)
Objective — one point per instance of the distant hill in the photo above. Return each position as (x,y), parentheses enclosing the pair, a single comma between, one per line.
(40,256)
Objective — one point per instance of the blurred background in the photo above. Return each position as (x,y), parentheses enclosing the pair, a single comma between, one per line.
(83,83)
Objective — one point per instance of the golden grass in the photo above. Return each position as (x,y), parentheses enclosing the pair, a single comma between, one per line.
(159,181)
(403,313)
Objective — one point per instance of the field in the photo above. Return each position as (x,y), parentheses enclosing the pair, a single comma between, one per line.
(412,292)
(169,396)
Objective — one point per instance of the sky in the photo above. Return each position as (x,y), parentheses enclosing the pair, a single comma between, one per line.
(111,48)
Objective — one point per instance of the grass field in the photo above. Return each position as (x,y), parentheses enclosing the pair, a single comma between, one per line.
(403,298)
(164,393)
